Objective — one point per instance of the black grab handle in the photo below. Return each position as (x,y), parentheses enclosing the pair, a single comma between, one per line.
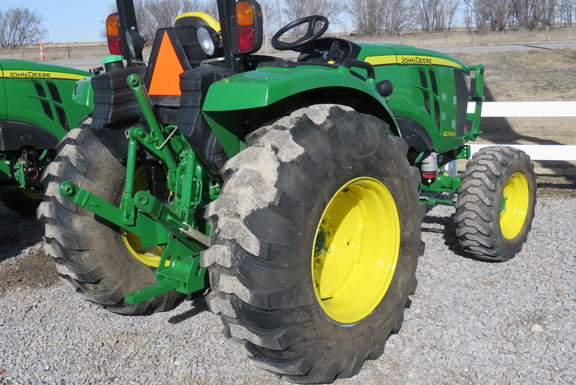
(349,63)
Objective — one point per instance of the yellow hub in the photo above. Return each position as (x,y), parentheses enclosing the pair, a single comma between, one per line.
(514,208)
(356,250)
(151,255)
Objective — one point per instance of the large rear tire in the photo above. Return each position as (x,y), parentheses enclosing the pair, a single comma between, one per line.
(95,257)
(315,243)
(495,204)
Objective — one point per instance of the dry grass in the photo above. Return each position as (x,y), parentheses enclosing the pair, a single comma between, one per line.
(57,52)
(454,38)
(420,39)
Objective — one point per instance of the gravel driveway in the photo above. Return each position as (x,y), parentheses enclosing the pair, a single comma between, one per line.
(470,322)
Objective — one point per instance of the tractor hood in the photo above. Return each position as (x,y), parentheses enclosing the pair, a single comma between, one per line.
(22,69)
(391,54)
(38,95)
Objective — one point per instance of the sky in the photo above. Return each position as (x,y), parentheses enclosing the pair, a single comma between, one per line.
(68,21)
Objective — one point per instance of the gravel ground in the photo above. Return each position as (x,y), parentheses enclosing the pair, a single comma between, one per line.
(470,322)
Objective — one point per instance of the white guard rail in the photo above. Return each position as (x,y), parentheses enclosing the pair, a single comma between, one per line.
(557,152)
(532,110)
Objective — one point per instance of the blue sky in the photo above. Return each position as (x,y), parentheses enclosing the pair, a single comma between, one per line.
(68,21)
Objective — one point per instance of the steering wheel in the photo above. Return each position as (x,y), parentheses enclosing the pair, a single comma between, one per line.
(308,37)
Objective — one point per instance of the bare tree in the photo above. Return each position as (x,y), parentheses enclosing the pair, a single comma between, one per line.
(296,9)
(270,14)
(533,14)
(498,15)
(20,26)
(154,14)
(434,15)
(210,7)
(494,15)
(372,17)
(525,13)
(368,16)
(566,11)
(397,16)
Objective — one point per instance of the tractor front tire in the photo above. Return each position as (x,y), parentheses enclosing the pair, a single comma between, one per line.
(91,254)
(315,242)
(495,204)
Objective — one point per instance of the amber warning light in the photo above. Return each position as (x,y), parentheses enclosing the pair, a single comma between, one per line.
(113,34)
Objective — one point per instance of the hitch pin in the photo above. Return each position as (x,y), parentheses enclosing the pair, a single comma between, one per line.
(168,138)
(195,234)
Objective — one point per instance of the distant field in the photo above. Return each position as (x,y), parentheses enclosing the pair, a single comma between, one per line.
(58,52)
(454,38)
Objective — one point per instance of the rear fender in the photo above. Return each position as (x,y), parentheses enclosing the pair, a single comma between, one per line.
(17,135)
(258,96)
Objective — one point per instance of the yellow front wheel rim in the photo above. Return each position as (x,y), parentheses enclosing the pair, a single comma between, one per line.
(356,250)
(147,255)
(514,205)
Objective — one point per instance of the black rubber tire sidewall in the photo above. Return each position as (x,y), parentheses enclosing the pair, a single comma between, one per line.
(282,293)
(478,224)
(89,251)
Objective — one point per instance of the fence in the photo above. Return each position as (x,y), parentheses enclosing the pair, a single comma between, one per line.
(57,52)
(542,152)
(530,110)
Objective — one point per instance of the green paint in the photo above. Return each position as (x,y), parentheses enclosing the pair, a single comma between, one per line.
(37,109)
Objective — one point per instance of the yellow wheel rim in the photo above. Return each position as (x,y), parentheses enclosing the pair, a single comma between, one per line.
(32,193)
(356,250)
(514,205)
(147,255)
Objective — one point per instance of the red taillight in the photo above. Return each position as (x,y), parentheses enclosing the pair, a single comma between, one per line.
(114,45)
(245,38)
(428,175)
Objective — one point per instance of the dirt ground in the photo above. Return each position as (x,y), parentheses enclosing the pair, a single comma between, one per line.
(22,235)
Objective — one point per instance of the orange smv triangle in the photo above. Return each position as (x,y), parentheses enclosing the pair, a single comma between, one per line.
(167,70)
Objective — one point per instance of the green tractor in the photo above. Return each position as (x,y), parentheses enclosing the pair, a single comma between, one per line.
(299,186)
(36,111)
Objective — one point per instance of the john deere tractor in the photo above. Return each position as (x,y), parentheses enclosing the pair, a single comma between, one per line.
(36,111)
(298,185)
